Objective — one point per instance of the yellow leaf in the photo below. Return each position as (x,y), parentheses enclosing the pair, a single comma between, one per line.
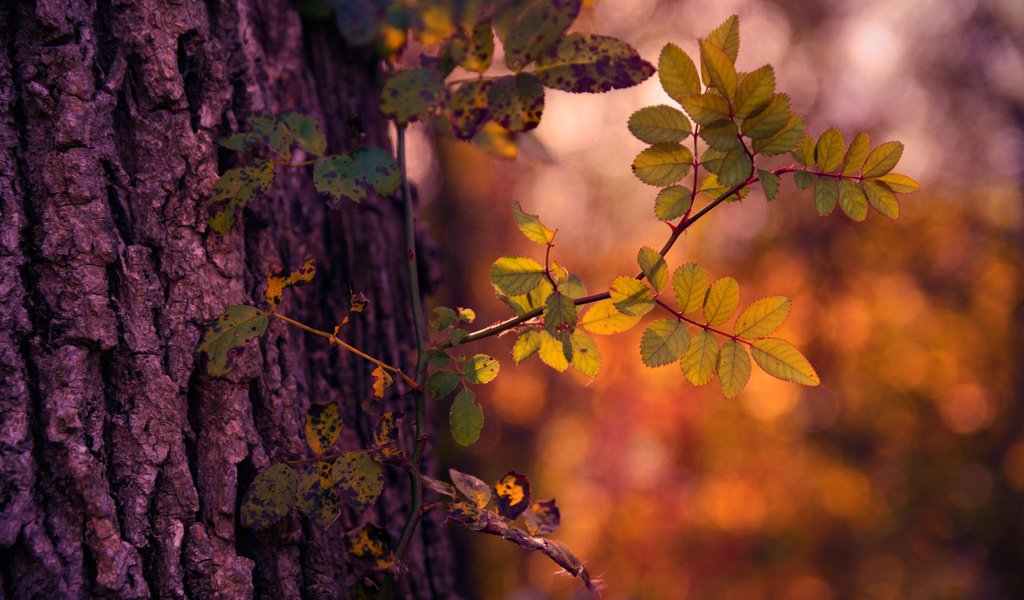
(901,184)
(277,283)
(604,319)
(381,380)
(631,296)
(762,317)
(586,358)
(733,368)
(701,359)
(721,301)
(690,283)
(552,352)
(780,359)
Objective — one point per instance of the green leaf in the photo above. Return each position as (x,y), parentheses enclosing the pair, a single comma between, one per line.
(830,149)
(542,518)
(466,418)
(537,29)
(586,358)
(762,317)
(719,68)
(527,344)
(769,182)
(516,275)
(673,202)
(659,124)
(270,497)
(677,73)
(443,318)
(754,92)
(780,359)
(804,152)
(277,283)
(664,342)
(438,358)
(735,168)
(360,478)
(769,121)
(900,183)
(473,49)
(852,200)
(469,108)
(228,333)
(516,101)
(701,358)
(412,95)
(826,195)
(359,21)
(378,170)
(690,283)
(585,63)
(733,368)
(783,140)
(662,164)
(323,425)
(471,487)
(535,299)
(721,135)
(653,267)
(882,159)
(856,154)
(706,109)
(317,498)
(241,142)
(338,176)
(631,296)
(480,368)
(803,179)
(512,495)
(552,351)
(881,198)
(713,188)
(711,159)
(560,316)
(441,383)
(273,134)
(572,286)
(602,318)
(530,225)
(306,131)
(235,188)
(727,37)
(721,302)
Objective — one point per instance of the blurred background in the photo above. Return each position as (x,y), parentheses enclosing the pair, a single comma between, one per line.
(902,475)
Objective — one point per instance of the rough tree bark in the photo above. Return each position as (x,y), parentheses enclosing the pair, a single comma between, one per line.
(122,463)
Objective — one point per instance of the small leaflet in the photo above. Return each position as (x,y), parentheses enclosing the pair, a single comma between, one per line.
(471,487)
(225,337)
(317,498)
(662,164)
(553,352)
(530,225)
(412,95)
(882,159)
(881,198)
(466,315)
(781,360)
(560,316)
(769,182)
(631,296)
(721,135)
(754,92)
(270,497)
(537,29)
(804,152)
(673,202)
(677,73)
(826,195)
(441,383)
(654,267)
(438,358)
(856,154)
(436,485)
(664,342)
(480,368)
(235,188)
(466,418)
(273,134)
(706,109)
(360,479)
(496,141)
(659,124)
(585,63)
(323,425)
(516,101)
(516,275)
(277,283)
(306,132)
(721,301)
(769,121)
(762,317)
(385,436)
(830,150)
(733,368)
(381,381)
(701,359)
(473,48)
(727,37)
(586,358)
(803,179)
(720,70)
(512,495)
(443,318)
(371,545)
(852,200)
(690,284)
(469,108)
(602,318)
(527,344)
(735,168)
(542,518)
(900,183)
(338,176)
(784,140)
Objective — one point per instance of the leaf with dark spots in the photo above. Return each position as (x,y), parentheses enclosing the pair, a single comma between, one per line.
(441,487)
(512,494)
(413,95)
(270,497)
(235,188)
(277,283)
(473,48)
(593,64)
(273,134)
(306,131)
(543,518)
(516,101)
(469,108)
(231,330)
(385,437)
(537,29)
(360,478)
(323,425)
(371,545)
(317,498)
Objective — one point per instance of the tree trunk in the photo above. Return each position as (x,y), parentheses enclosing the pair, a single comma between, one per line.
(123,464)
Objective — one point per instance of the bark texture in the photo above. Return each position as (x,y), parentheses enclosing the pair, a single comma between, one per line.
(122,463)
